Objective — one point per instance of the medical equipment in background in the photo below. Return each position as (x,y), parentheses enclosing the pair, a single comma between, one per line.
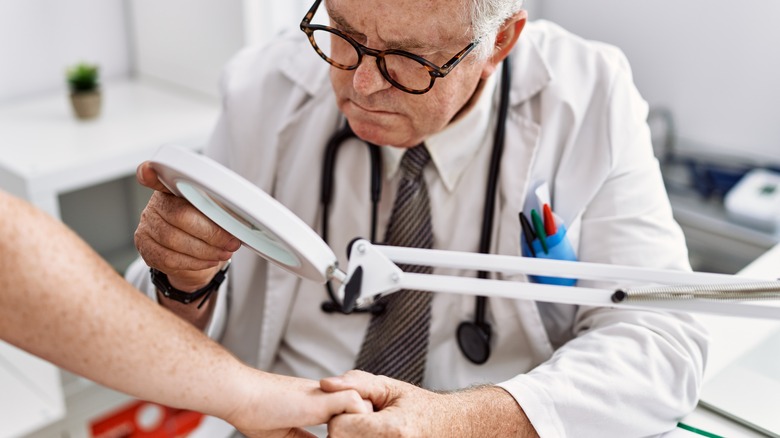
(688,167)
(698,179)
(755,200)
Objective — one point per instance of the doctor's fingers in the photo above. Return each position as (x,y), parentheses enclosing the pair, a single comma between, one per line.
(170,249)
(282,433)
(168,236)
(164,209)
(377,424)
(169,260)
(148,177)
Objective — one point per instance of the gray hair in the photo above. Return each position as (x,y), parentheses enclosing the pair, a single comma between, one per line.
(486,18)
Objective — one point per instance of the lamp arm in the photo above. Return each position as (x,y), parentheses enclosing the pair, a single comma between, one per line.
(550,267)
(379,275)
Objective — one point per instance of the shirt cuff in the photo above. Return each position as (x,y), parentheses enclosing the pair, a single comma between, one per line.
(537,404)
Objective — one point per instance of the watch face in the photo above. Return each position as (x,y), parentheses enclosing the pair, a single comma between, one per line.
(255,218)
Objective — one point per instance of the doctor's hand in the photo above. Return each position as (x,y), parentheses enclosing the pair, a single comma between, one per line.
(405,410)
(175,238)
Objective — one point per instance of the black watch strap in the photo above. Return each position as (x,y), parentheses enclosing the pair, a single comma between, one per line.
(160,280)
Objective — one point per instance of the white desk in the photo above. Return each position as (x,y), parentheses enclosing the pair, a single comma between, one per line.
(46,153)
(731,337)
(31,394)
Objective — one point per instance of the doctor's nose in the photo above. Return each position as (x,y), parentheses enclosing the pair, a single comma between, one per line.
(367,79)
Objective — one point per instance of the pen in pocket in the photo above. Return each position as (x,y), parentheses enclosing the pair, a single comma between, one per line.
(539,229)
(537,242)
(549,220)
(528,233)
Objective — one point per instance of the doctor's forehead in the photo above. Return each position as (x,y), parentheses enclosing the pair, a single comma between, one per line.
(429,22)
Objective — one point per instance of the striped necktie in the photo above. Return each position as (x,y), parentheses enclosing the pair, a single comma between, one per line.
(396,343)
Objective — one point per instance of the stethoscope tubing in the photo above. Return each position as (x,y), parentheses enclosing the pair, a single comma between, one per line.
(475,340)
(486,235)
(326,196)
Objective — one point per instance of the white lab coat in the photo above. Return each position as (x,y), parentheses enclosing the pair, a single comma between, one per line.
(575,121)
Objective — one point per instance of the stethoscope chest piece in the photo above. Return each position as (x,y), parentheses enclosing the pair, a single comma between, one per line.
(474,341)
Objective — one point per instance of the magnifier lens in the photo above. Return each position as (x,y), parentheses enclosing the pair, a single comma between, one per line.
(238,223)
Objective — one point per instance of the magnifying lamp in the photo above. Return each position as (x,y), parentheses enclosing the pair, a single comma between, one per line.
(272,231)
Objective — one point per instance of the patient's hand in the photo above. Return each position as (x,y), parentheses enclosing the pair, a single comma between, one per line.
(279,405)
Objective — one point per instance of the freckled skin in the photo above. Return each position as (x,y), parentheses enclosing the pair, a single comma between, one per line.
(81,315)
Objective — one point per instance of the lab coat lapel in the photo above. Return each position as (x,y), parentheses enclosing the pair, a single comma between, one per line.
(522,141)
(301,145)
(522,150)
(515,183)
(530,75)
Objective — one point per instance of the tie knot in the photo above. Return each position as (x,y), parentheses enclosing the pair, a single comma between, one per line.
(414,160)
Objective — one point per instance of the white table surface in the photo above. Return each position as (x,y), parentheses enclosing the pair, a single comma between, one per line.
(45,150)
(730,338)
(31,395)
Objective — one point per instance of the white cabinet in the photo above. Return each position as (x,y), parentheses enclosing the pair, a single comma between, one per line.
(83,171)
(45,152)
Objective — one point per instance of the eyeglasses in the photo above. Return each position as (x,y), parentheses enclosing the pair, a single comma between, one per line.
(405,71)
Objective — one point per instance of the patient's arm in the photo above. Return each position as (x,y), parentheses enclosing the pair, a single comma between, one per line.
(59,300)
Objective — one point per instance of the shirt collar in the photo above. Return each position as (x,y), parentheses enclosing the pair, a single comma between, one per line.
(453,149)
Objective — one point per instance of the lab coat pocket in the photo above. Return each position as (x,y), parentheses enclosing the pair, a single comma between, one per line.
(558,248)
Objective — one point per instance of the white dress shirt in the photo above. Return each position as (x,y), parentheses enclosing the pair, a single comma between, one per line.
(319,344)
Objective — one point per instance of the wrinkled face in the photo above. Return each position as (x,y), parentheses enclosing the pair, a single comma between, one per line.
(377,111)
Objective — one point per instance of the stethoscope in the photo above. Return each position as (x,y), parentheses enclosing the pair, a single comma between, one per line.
(473,336)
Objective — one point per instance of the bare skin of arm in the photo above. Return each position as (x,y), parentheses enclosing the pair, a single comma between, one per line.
(81,315)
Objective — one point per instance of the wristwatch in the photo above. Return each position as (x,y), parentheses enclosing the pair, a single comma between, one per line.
(160,280)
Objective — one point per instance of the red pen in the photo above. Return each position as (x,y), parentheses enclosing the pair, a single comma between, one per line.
(549,220)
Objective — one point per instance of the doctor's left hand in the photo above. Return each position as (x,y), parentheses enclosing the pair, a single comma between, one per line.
(405,410)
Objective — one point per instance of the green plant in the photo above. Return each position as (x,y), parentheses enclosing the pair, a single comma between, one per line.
(83,77)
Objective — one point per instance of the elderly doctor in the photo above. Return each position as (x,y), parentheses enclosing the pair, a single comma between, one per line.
(404,73)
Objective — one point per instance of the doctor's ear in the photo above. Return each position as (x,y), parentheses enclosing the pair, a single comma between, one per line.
(505,41)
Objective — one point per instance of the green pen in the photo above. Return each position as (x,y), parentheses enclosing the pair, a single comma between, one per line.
(697,430)
(539,228)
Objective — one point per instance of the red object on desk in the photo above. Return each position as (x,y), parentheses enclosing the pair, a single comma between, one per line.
(549,220)
(146,420)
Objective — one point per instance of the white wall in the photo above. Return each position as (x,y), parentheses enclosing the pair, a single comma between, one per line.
(186,42)
(266,18)
(716,64)
(40,38)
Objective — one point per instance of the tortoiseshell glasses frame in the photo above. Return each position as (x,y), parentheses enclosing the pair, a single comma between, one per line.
(381,56)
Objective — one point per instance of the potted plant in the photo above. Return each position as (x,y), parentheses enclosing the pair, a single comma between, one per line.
(84,90)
